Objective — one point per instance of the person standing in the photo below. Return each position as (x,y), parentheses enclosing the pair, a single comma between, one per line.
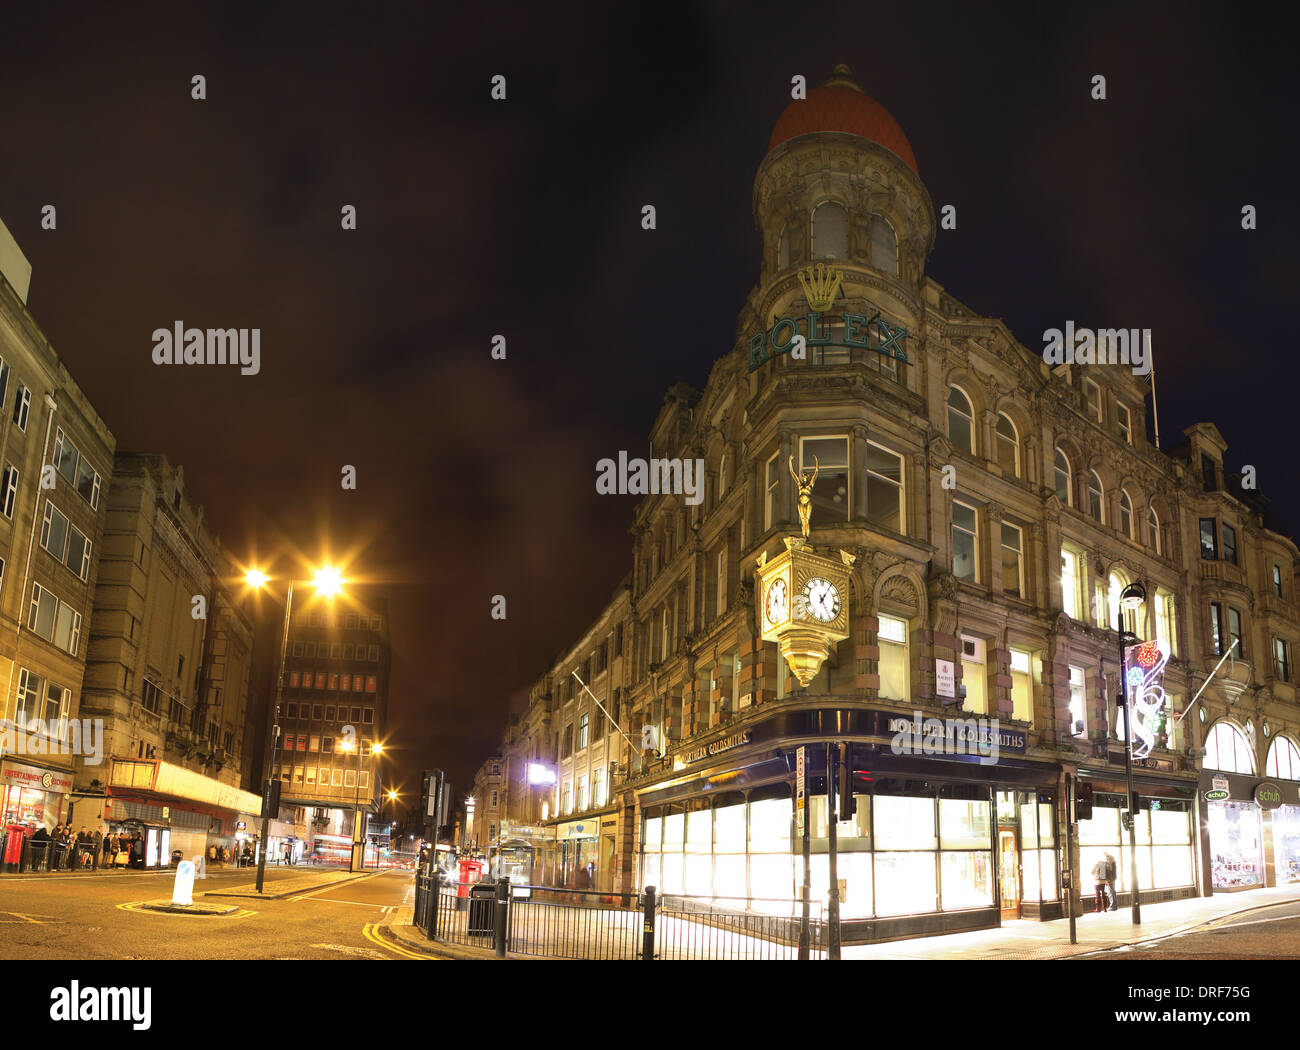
(1112,872)
(1100,901)
(41,841)
(96,848)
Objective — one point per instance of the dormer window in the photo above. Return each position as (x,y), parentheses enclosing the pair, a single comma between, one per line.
(1092,400)
(1209,473)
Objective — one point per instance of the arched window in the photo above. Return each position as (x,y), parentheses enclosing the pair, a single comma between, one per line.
(1064,477)
(1115,586)
(783,249)
(1095,494)
(1227,749)
(1008,446)
(830,231)
(1153,529)
(1283,760)
(961,420)
(884,245)
(1125,514)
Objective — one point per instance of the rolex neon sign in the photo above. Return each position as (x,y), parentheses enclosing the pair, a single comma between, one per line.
(821,285)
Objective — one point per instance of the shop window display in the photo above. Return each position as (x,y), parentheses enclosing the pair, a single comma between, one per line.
(1286,843)
(1236,845)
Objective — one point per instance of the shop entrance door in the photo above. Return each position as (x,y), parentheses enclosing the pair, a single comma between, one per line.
(1009,872)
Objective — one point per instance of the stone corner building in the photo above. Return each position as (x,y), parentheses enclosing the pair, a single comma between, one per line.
(996,507)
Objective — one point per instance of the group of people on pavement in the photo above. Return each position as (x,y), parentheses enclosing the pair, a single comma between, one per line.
(61,850)
(1103,876)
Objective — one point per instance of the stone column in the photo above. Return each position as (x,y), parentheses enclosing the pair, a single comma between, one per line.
(866,655)
(858,473)
(1000,679)
(785,486)
(993,529)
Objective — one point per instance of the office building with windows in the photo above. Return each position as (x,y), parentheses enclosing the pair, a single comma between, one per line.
(995,508)
(167,666)
(56,459)
(331,718)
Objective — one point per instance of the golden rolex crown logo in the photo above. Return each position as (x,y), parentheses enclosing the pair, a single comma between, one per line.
(821,284)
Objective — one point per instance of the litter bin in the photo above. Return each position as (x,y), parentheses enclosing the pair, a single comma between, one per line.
(482,899)
(177,857)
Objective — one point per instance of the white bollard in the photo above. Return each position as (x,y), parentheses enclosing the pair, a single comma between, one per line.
(183,891)
(201,863)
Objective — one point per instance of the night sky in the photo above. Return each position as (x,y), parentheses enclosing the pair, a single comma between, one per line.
(476,477)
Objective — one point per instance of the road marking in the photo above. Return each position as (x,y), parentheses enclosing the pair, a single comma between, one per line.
(1224,927)
(27,918)
(331,885)
(368,931)
(139,908)
(348,949)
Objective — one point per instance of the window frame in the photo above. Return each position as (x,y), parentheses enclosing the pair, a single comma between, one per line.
(1100,516)
(975,542)
(1019,550)
(968,416)
(1069,475)
(1096,412)
(1013,441)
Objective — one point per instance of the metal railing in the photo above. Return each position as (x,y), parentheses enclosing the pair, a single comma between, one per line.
(560,923)
(736,928)
(572,924)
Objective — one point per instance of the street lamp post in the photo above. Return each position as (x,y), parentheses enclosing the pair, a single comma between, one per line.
(1130,598)
(275,740)
(358,833)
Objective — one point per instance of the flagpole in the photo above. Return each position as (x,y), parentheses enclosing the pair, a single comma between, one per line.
(1155,408)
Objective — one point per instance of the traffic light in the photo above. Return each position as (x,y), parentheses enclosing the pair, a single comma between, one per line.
(1083,802)
(271,800)
(847,803)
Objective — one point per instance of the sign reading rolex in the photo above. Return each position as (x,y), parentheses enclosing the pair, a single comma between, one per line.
(821,285)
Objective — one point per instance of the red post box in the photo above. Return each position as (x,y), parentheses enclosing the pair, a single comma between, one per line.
(470,872)
(14,842)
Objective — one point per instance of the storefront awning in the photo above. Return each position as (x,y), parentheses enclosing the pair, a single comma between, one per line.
(162,780)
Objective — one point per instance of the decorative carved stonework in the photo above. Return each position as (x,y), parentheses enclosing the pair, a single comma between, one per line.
(901,591)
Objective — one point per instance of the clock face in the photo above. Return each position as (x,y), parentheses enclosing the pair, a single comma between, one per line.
(776,602)
(823,599)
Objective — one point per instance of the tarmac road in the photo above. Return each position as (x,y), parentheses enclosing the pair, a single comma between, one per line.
(94,917)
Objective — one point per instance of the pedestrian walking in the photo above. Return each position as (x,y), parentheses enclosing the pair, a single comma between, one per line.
(1112,872)
(96,848)
(1100,901)
(114,847)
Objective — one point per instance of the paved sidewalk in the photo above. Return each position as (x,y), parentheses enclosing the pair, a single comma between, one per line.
(278,888)
(1019,939)
(1023,939)
(399,927)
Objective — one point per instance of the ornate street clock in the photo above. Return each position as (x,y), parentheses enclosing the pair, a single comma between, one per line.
(805,607)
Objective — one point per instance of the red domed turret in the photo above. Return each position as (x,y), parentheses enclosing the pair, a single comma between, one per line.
(840,105)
